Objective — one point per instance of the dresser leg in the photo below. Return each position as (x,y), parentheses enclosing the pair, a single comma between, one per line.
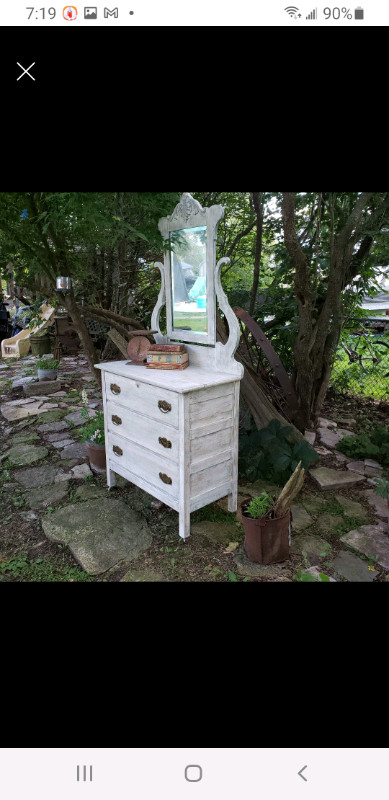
(111,478)
(233,501)
(184,524)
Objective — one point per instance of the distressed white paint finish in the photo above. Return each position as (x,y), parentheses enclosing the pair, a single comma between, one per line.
(142,430)
(111,480)
(211,409)
(211,478)
(155,491)
(184,467)
(137,395)
(233,495)
(212,443)
(202,424)
(187,380)
(145,464)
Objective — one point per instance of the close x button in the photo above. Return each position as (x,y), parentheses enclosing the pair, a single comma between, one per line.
(25,71)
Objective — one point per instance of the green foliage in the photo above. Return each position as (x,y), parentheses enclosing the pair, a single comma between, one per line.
(40,570)
(93,430)
(366,445)
(306,577)
(273,454)
(46,363)
(382,489)
(260,505)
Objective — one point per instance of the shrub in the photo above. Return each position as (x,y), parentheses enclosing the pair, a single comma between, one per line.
(366,445)
(273,453)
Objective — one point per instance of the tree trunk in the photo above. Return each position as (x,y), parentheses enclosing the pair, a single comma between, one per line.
(85,338)
(320,327)
(258,205)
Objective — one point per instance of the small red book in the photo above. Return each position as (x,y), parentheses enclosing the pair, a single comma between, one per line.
(167,348)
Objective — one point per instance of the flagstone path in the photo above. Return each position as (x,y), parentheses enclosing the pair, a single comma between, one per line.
(339,524)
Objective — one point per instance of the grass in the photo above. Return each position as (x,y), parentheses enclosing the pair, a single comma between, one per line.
(40,570)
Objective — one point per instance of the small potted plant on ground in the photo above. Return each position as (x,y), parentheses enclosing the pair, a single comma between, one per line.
(92,433)
(47,369)
(266,522)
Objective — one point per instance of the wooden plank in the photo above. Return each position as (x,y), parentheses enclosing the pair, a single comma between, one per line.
(210,409)
(121,343)
(212,460)
(211,427)
(201,482)
(210,496)
(211,393)
(213,443)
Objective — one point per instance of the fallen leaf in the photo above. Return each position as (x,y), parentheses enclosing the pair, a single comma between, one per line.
(231,547)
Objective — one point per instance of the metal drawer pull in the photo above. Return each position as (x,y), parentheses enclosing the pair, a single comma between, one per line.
(165,478)
(164,406)
(164,442)
(117,450)
(115,389)
(116,420)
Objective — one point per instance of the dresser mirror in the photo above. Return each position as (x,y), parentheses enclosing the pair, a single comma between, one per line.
(188,258)
(190,235)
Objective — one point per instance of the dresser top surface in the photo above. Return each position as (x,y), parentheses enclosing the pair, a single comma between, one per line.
(181,381)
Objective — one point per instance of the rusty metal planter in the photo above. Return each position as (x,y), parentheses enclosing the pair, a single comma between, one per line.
(96,455)
(266,540)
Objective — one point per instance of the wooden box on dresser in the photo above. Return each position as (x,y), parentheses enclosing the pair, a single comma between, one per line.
(174,433)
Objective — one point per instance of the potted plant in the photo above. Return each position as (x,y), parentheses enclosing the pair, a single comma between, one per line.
(266,522)
(92,433)
(47,369)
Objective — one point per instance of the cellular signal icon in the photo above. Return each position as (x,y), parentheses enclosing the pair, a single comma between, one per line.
(293,12)
(312,15)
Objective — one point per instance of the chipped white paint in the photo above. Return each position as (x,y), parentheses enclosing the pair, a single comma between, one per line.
(194,412)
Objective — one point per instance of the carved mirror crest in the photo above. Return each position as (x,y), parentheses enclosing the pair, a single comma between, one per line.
(189,266)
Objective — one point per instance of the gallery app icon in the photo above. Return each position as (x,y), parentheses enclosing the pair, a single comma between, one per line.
(90,12)
(70,13)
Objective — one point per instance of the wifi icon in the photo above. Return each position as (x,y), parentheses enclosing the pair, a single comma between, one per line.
(293,12)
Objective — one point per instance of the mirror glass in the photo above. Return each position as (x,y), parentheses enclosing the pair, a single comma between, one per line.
(189,279)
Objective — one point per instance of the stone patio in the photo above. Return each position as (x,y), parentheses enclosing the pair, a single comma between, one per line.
(48,475)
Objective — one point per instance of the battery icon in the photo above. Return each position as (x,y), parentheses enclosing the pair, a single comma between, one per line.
(358,13)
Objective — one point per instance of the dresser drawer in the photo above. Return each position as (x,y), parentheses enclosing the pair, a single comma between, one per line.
(147,432)
(160,404)
(157,470)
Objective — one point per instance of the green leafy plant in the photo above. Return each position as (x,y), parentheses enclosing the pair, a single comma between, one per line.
(93,430)
(365,445)
(273,453)
(260,506)
(46,363)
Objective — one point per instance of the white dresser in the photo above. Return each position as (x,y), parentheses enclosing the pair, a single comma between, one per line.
(174,433)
